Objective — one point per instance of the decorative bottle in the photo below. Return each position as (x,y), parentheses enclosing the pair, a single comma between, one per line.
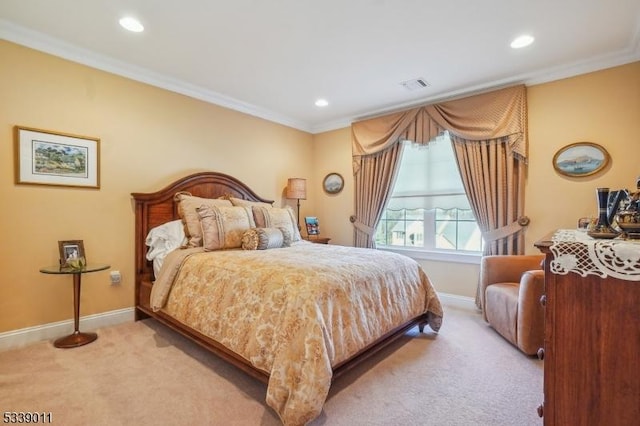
(603,226)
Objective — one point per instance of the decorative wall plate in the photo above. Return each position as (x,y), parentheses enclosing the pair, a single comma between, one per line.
(333,183)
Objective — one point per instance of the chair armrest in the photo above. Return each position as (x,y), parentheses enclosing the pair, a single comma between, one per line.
(531,287)
(530,322)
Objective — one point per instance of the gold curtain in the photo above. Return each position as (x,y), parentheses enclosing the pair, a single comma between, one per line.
(493,178)
(498,114)
(489,132)
(373,185)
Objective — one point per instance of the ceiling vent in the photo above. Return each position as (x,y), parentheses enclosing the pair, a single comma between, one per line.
(415,84)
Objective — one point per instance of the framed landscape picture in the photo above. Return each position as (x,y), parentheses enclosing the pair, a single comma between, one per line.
(50,158)
(580,159)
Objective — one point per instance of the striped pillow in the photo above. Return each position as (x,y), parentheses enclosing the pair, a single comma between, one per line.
(187,210)
(277,218)
(223,227)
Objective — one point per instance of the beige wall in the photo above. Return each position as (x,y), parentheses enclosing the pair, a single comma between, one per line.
(332,154)
(601,107)
(149,137)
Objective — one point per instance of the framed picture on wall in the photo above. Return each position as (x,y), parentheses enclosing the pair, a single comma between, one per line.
(580,159)
(333,183)
(44,157)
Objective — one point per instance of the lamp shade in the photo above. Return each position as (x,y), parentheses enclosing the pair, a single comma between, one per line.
(297,188)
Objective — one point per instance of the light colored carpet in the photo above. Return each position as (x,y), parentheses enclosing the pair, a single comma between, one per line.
(144,374)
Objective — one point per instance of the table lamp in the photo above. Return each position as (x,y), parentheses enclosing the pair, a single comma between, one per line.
(297,190)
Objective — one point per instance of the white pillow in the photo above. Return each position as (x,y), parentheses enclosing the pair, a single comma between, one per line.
(162,240)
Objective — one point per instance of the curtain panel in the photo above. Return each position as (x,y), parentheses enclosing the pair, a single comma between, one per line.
(489,132)
(373,186)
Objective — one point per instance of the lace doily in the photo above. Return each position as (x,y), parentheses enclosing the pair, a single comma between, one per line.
(574,251)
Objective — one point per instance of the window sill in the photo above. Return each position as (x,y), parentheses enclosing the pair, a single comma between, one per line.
(441,256)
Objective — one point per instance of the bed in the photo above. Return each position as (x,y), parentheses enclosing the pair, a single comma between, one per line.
(295,317)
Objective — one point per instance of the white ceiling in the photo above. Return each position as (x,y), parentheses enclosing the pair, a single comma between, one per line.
(274,58)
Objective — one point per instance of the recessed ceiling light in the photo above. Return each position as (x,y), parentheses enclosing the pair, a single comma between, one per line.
(322,103)
(522,41)
(131,24)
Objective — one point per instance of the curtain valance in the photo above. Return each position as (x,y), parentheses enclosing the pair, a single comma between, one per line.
(498,114)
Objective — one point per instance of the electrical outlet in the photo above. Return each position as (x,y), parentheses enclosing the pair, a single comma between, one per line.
(115,277)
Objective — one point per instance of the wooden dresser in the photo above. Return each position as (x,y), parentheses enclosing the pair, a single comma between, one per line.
(592,331)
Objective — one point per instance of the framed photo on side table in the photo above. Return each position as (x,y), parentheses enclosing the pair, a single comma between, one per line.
(71,251)
(312,225)
(44,157)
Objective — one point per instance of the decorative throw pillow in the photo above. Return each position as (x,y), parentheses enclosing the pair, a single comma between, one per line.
(277,218)
(265,238)
(223,227)
(250,239)
(187,205)
(246,203)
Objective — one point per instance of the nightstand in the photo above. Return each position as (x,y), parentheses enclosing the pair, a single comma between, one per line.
(77,338)
(319,240)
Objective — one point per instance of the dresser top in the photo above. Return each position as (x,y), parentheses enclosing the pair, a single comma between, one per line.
(574,251)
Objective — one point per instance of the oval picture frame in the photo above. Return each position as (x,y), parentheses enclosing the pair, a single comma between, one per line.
(333,183)
(580,159)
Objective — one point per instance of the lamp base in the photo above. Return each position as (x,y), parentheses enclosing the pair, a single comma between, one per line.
(74,340)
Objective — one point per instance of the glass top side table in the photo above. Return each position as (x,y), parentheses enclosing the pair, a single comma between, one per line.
(77,338)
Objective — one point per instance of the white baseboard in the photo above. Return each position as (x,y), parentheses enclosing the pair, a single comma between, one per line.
(455,301)
(18,338)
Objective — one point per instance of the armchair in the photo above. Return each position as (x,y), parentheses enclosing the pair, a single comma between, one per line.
(510,291)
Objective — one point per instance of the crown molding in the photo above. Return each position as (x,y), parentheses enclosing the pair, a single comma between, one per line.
(624,56)
(56,47)
(44,43)
(610,60)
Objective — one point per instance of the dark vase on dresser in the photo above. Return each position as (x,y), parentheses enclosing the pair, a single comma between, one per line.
(603,228)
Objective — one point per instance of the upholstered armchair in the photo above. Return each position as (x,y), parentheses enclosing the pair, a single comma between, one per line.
(510,291)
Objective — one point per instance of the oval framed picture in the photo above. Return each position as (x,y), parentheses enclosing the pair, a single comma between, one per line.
(580,159)
(333,183)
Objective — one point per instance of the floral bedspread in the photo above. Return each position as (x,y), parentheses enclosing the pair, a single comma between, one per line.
(295,312)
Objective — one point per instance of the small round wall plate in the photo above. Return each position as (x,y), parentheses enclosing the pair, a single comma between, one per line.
(333,183)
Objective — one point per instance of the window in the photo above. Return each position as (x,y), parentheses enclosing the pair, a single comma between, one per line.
(428,209)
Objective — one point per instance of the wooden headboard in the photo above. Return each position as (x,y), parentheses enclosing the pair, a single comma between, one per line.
(155,208)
